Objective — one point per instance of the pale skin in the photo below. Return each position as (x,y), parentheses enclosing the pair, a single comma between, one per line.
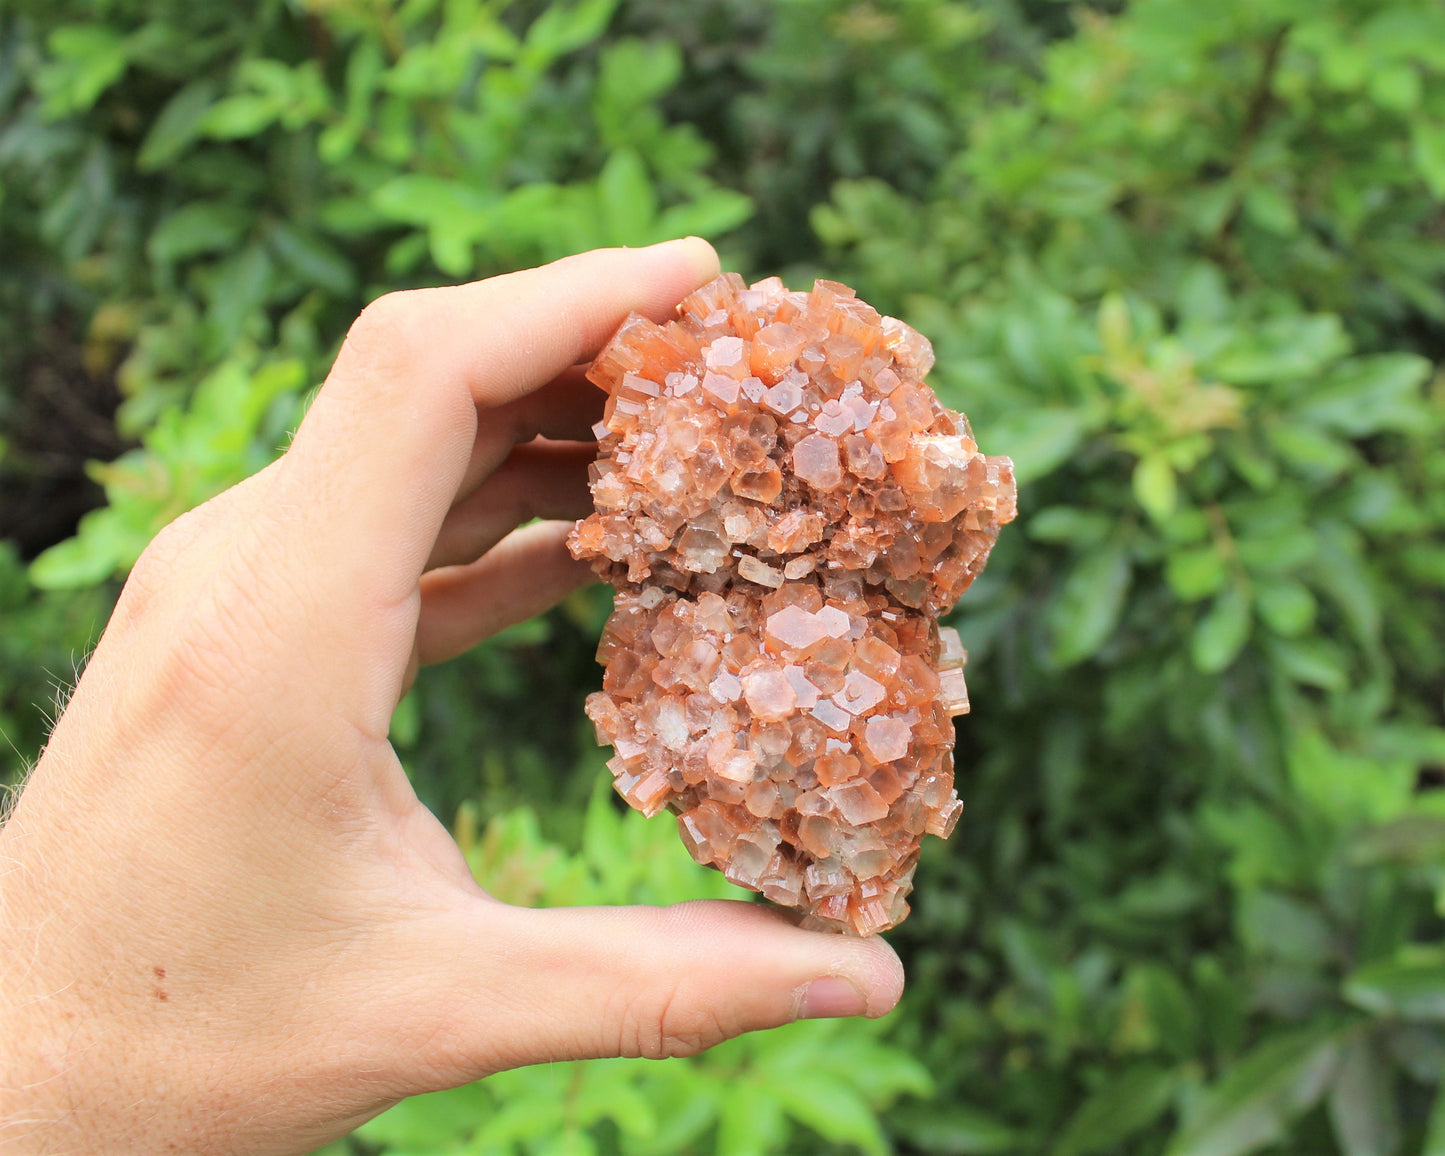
(227,925)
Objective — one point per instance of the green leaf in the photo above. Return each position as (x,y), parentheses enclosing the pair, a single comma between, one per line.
(629,202)
(1038,440)
(435,1119)
(633,74)
(1155,486)
(1281,927)
(750,1120)
(1069,524)
(90,557)
(197,228)
(1203,294)
(1311,450)
(1343,576)
(1313,661)
(1345,63)
(709,214)
(836,1112)
(1087,607)
(1419,743)
(686,1109)
(569,1142)
(1224,1009)
(1427,149)
(1396,87)
(1362,1102)
(522,1110)
(1221,634)
(238,293)
(1257,1098)
(364,70)
(1157,1014)
(455,216)
(1196,572)
(1350,789)
(1286,606)
(541,214)
(1424,562)
(892,1071)
(1282,349)
(312,258)
(1278,548)
(1244,454)
(1271,210)
(243,115)
(1127,1104)
(1365,395)
(1435,1133)
(603,844)
(562,28)
(1161,895)
(1410,986)
(1347,788)
(961,1129)
(91,57)
(610,1092)
(177,125)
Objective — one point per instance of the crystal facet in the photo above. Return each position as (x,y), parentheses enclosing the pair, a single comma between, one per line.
(785,509)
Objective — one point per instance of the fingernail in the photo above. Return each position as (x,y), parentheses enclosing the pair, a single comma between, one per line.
(831,997)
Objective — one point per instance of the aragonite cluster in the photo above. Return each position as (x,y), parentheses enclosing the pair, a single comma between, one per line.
(785,509)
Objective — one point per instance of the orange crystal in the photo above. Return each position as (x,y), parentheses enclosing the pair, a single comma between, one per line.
(785,509)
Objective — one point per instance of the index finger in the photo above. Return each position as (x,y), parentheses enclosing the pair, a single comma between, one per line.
(378,460)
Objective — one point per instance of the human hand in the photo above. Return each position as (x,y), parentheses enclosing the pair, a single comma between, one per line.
(226,922)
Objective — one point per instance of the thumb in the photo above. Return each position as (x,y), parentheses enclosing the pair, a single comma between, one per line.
(654,981)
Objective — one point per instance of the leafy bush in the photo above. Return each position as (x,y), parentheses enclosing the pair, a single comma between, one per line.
(220,190)
(1183,262)
(1186,276)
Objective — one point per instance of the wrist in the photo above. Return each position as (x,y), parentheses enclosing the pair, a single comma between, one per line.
(40,1032)
(65,1050)
(41,1028)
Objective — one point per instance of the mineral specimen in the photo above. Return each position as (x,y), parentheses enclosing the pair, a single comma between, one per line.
(785,509)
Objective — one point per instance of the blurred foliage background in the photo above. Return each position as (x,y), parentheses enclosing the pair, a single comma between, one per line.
(1185,262)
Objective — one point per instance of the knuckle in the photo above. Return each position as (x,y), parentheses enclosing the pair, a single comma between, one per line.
(157,562)
(382,336)
(202,632)
(227,628)
(203,670)
(160,568)
(215,647)
(669,1024)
